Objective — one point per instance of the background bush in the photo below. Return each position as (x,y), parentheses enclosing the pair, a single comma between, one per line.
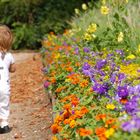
(31,19)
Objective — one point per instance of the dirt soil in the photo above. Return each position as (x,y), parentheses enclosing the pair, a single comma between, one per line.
(31,111)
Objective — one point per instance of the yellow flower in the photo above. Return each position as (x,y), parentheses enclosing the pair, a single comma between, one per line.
(126,1)
(109,132)
(110,106)
(57,55)
(103,2)
(54,138)
(131,56)
(120,37)
(139,48)
(92,28)
(72,123)
(130,70)
(104,10)
(76,11)
(84,6)
(87,37)
(93,36)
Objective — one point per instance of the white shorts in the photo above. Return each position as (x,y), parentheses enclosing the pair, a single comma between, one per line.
(4,104)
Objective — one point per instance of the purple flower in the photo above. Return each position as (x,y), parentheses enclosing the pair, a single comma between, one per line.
(100,88)
(122,91)
(101,63)
(132,125)
(131,107)
(120,52)
(113,77)
(76,50)
(128,126)
(86,66)
(86,49)
(86,72)
(46,84)
(137,89)
(137,123)
(121,76)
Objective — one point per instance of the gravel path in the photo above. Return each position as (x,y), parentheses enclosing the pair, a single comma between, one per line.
(31,111)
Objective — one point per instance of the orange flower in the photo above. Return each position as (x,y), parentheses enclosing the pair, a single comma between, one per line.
(69,69)
(110,121)
(53,80)
(77,64)
(58,119)
(67,121)
(51,33)
(55,128)
(59,89)
(100,132)
(100,117)
(84,132)
(67,106)
(114,126)
(84,83)
(84,110)
(102,138)
(78,114)
(66,114)
(54,138)
(74,101)
(123,101)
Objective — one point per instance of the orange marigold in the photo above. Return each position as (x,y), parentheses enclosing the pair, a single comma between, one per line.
(123,101)
(84,83)
(67,106)
(66,114)
(110,121)
(58,119)
(100,117)
(100,132)
(56,128)
(84,110)
(84,132)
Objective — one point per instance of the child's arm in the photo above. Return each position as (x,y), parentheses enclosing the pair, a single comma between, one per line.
(12,68)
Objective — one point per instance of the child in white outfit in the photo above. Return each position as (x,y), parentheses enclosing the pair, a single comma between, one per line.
(6,65)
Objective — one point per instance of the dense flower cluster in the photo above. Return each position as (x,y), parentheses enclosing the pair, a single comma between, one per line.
(97,89)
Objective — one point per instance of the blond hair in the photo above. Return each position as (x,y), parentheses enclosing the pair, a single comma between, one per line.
(6,38)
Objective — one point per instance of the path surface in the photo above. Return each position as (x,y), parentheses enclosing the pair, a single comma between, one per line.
(30,116)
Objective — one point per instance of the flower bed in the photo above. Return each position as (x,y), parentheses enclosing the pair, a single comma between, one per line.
(97,89)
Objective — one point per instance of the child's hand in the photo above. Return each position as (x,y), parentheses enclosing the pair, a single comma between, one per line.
(12,68)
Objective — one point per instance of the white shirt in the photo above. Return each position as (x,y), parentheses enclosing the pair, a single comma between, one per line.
(4,71)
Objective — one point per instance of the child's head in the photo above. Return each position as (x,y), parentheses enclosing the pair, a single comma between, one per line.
(6,38)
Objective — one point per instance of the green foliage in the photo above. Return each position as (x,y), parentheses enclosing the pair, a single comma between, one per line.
(31,19)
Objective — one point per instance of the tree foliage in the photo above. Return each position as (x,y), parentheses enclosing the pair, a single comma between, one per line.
(31,19)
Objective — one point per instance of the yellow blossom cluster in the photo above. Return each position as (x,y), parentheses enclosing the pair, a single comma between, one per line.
(110,106)
(104,10)
(131,70)
(89,34)
(120,37)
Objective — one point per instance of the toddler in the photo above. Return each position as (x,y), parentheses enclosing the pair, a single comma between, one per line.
(6,65)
